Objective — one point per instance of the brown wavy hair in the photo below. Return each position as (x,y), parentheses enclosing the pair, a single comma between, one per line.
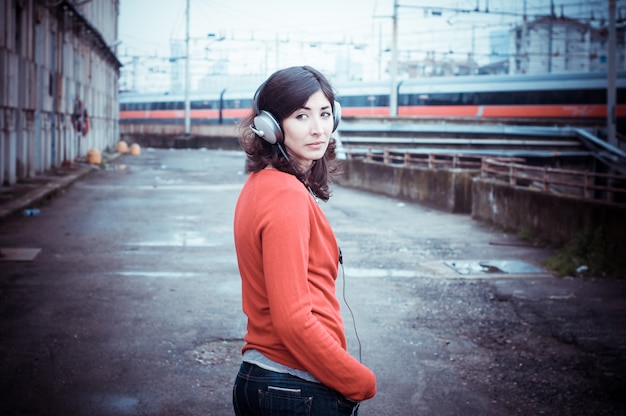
(284,92)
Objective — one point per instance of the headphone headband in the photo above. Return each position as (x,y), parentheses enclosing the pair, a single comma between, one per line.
(266,126)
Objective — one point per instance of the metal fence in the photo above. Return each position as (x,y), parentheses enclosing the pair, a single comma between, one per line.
(573,183)
(581,184)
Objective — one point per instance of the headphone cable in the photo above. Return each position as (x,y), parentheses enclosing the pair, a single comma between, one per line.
(343,275)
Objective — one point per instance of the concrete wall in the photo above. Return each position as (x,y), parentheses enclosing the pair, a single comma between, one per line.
(172,135)
(553,218)
(139,130)
(446,189)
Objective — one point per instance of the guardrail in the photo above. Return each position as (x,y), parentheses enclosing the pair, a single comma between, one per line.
(581,184)
(408,159)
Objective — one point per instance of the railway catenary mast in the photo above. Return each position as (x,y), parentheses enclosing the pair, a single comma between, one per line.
(611,117)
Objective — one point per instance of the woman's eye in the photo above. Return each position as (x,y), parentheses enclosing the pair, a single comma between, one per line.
(326,115)
(301,116)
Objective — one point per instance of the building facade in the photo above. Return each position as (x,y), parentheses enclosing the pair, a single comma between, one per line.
(56,56)
(552,44)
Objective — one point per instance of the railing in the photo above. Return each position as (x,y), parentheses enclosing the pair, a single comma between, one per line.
(582,184)
(408,159)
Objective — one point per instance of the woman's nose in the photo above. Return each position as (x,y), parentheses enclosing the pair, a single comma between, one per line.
(317,126)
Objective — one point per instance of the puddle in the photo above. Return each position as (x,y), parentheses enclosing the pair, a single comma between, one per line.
(124,404)
(114,404)
(467,267)
(160,275)
(19,254)
(462,267)
(181,240)
(115,166)
(380,273)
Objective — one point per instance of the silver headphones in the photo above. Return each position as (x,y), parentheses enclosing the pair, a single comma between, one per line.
(267,127)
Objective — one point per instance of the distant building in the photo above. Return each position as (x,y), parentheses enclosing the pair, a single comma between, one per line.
(177,65)
(598,48)
(432,67)
(551,44)
(495,68)
(499,46)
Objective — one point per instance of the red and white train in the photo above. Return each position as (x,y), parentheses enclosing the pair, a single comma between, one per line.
(553,96)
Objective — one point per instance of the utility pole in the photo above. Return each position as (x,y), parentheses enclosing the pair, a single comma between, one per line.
(393,94)
(187,118)
(611,79)
(550,35)
(473,53)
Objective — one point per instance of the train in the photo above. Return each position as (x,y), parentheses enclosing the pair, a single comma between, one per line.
(565,96)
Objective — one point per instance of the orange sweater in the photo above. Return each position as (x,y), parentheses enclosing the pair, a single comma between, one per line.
(288,259)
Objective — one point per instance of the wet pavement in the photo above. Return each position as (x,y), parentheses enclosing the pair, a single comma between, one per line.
(120,296)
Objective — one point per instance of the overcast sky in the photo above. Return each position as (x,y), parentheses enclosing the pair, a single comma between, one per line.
(148,25)
(452,27)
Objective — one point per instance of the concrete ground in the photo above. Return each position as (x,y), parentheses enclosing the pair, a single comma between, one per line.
(121,296)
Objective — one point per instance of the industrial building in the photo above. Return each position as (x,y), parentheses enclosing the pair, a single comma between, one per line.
(57,57)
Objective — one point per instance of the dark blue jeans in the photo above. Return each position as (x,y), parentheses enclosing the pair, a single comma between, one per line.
(260,392)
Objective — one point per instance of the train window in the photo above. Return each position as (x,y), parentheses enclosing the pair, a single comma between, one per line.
(348,101)
(246,103)
(445,99)
(469,98)
(537,97)
(237,103)
(200,104)
(413,99)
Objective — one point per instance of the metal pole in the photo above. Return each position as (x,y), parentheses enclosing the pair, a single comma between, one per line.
(473,53)
(393,94)
(611,79)
(550,35)
(187,118)
(380,51)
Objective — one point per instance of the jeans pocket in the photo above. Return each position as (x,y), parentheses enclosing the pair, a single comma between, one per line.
(347,407)
(278,401)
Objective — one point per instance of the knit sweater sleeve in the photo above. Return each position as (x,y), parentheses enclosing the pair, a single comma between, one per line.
(302,303)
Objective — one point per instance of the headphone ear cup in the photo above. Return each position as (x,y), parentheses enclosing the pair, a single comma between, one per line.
(266,124)
(336,115)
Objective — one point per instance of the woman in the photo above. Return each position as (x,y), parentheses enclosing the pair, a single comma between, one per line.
(294,360)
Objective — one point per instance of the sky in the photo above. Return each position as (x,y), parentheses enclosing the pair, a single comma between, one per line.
(150,24)
(260,36)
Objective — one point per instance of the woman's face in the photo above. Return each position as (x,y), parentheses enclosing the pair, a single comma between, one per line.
(308,129)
